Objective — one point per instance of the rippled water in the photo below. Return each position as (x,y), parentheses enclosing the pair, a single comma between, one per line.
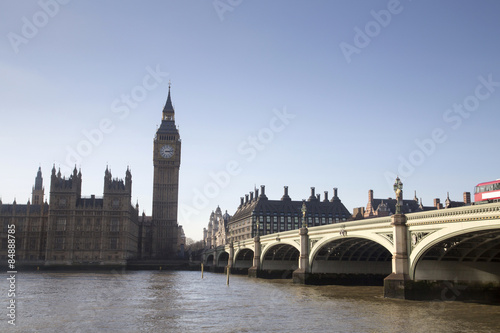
(183,302)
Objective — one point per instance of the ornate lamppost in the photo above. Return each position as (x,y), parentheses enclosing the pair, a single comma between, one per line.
(398,188)
(304,210)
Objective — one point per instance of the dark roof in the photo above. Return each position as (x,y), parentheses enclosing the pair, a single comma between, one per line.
(168,108)
(23,209)
(409,206)
(89,202)
(262,205)
(167,127)
(452,204)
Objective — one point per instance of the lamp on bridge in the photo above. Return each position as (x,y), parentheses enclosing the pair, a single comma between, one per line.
(304,210)
(398,188)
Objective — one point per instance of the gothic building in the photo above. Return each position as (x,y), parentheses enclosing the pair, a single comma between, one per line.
(91,230)
(217,232)
(75,230)
(258,214)
(30,222)
(166,161)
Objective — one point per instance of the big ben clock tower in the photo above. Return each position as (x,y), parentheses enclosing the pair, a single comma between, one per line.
(166,161)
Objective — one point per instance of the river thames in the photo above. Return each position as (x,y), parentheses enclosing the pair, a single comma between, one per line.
(152,301)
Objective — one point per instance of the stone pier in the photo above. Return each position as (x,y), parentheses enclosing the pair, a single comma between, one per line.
(397,283)
(254,271)
(301,275)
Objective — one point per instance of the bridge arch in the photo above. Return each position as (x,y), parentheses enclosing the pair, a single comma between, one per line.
(243,258)
(209,260)
(353,254)
(458,253)
(280,256)
(376,238)
(222,259)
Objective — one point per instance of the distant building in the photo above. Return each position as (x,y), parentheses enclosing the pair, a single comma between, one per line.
(451,204)
(216,232)
(272,216)
(386,207)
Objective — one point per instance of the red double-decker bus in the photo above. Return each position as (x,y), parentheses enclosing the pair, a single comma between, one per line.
(487,192)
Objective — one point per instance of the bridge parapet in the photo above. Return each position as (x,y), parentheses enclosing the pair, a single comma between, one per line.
(458,214)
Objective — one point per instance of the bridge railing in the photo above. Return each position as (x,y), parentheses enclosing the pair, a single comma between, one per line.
(458,214)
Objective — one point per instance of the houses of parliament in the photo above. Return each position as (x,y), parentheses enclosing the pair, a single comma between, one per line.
(73,230)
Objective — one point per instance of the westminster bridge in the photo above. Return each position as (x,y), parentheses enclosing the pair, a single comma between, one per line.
(451,253)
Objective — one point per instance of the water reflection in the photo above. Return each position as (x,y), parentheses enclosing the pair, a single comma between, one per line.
(183,302)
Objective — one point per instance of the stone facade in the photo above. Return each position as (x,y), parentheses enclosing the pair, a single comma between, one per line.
(216,234)
(31,231)
(166,161)
(74,230)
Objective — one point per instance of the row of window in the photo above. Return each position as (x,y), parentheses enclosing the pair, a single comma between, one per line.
(114,225)
(63,257)
(167,137)
(113,244)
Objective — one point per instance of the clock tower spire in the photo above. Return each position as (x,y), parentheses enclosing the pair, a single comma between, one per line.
(166,161)
(168,110)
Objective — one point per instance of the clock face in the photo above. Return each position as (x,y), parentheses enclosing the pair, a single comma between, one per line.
(166,151)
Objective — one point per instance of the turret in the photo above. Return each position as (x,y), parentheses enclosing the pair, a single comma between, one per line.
(128,180)
(38,189)
(72,185)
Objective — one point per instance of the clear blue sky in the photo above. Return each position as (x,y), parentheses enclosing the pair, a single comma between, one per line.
(368,87)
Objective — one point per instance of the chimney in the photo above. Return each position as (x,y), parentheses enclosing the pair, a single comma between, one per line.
(313,196)
(326,197)
(318,196)
(251,196)
(242,201)
(256,193)
(285,194)
(335,192)
(467,198)
(437,203)
(262,193)
(246,199)
(370,195)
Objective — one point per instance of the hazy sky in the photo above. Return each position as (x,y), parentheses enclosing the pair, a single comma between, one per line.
(327,94)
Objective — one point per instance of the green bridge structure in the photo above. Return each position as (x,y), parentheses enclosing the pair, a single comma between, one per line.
(444,254)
